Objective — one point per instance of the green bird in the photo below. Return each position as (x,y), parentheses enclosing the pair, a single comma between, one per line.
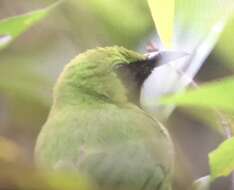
(97,127)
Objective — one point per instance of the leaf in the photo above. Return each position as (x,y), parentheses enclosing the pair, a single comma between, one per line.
(11,28)
(221,160)
(18,173)
(225,44)
(194,13)
(196,32)
(35,179)
(22,176)
(219,94)
(163,13)
(71,181)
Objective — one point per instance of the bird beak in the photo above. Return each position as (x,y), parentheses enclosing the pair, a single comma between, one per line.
(166,56)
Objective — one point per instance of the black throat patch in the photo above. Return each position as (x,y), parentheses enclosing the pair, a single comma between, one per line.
(134,74)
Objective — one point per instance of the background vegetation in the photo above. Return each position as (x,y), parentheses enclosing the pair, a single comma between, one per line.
(37,38)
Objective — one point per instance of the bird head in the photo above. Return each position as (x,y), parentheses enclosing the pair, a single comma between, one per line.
(111,74)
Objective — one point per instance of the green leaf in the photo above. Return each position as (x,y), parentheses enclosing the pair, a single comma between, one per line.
(219,94)
(195,13)
(163,13)
(194,25)
(196,32)
(221,160)
(225,44)
(11,28)
(71,181)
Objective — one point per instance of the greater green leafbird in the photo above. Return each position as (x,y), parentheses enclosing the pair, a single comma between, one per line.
(97,127)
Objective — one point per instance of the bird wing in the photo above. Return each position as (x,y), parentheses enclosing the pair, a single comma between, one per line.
(125,167)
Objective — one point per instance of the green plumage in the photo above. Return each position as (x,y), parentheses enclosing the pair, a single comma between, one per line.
(93,127)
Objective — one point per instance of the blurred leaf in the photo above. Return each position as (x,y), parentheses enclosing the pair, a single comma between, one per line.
(219,94)
(193,16)
(34,179)
(226,43)
(20,176)
(17,173)
(71,181)
(11,28)
(196,32)
(202,183)
(221,160)
(163,13)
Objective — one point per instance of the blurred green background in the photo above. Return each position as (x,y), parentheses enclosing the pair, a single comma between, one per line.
(30,65)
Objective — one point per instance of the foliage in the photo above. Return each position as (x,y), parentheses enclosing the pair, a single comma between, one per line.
(16,173)
(196,32)
(11,28)
(226,43)
(190,27)
(217,96)
(222,159)
(207,96)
